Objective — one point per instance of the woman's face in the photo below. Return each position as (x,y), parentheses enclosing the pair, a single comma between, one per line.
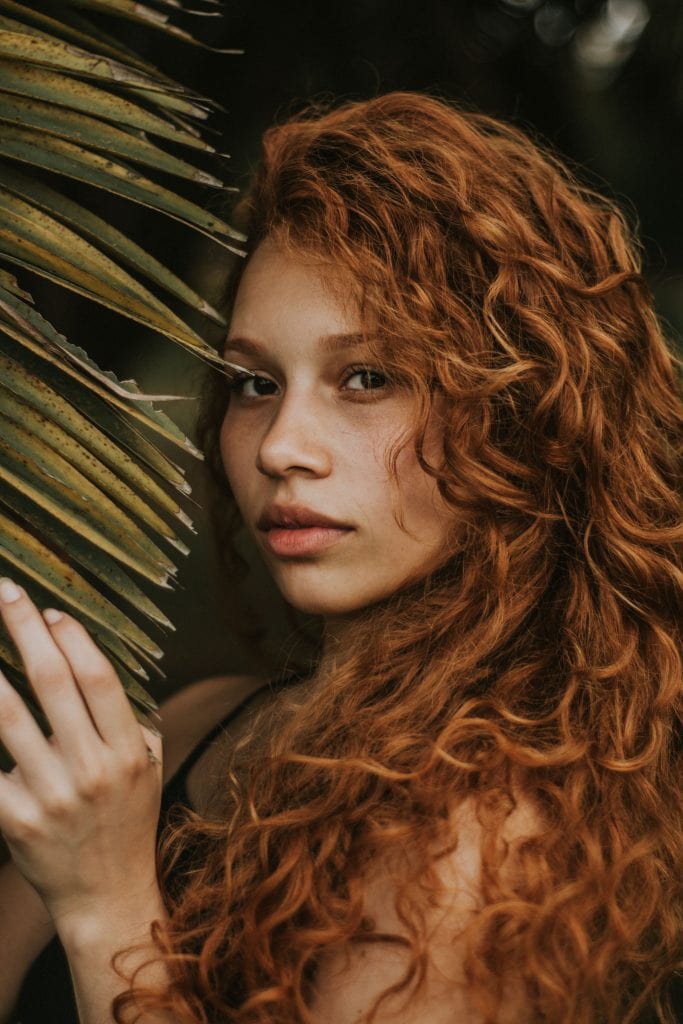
(305,442)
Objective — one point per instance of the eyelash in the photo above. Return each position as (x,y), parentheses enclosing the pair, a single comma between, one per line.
(235,383)
(370,371)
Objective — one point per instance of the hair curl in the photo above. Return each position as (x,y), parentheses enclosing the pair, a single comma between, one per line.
(542,658)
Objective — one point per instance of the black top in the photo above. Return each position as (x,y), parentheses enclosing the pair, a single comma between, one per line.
(47,995)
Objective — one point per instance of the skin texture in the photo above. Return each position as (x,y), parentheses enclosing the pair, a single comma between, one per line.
(312,430)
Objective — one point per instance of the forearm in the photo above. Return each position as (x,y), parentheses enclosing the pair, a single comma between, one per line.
(92,941)
(25,929)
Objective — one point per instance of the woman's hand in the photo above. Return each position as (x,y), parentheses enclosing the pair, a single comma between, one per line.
(79,811)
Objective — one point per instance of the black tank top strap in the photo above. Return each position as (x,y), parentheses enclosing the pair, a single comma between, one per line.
(175,790)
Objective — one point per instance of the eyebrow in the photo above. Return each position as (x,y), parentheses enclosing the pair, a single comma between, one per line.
(329,342)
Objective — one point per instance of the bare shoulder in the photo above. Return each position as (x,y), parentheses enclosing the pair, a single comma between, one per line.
(351,978)
(190,713)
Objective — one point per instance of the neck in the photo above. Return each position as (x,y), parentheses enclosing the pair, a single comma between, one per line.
(336,635)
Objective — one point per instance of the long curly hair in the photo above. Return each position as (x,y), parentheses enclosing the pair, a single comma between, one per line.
(542,660)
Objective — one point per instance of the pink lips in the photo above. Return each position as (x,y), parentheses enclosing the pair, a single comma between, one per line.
(296,531)
(299,541)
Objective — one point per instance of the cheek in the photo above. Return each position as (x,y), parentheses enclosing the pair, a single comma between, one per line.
(233,456)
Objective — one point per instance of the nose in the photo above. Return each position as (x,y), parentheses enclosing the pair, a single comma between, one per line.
(294,441)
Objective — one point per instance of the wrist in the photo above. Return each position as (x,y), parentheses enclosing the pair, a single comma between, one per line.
(108,947)
(110,925)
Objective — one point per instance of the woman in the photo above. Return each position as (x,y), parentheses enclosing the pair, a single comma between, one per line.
(456,441)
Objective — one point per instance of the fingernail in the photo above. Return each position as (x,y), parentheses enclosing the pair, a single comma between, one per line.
(9,591)
(51,615)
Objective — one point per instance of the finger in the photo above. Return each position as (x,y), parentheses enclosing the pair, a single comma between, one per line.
(47,670)
(98,682)
(23,739)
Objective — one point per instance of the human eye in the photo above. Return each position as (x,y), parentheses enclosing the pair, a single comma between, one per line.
(365,379)
(251,385)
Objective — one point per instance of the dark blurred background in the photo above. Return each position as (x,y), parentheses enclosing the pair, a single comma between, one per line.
(600,81)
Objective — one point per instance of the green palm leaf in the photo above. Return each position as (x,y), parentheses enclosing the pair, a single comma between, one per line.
(98,230)
(88,516)
(73,29)
(88,131)
(91,168)
(41,83)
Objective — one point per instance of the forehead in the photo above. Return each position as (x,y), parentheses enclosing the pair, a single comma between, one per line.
(281,292)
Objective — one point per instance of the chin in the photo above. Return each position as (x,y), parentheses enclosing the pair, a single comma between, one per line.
(327,606)
(337,595)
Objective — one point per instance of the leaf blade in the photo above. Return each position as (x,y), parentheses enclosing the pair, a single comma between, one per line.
(30,329)
(54,53)
(100,135)
(94,227)
(84,165)
(37,392)
(36,560)
(84,461)
(38,476)
(41,83)
(100,565)
(31,238)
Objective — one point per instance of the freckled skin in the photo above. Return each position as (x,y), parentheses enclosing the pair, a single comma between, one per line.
(313,432)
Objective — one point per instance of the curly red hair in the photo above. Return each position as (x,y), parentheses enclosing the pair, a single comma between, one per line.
(543,657)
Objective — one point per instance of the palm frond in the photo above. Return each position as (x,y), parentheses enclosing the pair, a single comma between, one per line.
(88,515)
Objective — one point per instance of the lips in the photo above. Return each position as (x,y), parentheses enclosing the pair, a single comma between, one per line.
(293,517)
(295,531)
